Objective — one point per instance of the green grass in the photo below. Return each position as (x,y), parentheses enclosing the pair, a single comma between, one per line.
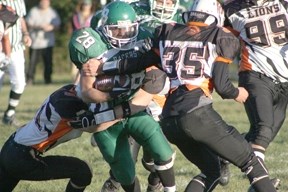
(232,112)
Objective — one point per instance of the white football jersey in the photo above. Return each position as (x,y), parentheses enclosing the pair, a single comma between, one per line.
(263,28)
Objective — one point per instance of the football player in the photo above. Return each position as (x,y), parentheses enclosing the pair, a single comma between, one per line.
(22,158)
(195,57)
(262,28)
(150,14)
(118,38)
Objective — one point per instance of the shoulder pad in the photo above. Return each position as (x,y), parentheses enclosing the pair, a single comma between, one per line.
(85,44)
(227,44)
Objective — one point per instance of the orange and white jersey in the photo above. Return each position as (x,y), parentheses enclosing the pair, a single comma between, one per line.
(49,126)
(263,29)
(188,58)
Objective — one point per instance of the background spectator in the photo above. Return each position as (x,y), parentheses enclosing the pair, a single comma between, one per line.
(42,20)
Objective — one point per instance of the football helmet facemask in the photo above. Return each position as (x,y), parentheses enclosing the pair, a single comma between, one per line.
(163,10)
(120,25)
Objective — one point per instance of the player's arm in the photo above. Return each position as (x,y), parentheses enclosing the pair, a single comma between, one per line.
(222,83)
(95,122)
(227,48)
(124,66)
(88,91)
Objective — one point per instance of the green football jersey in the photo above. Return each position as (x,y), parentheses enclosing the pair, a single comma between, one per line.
(88,43)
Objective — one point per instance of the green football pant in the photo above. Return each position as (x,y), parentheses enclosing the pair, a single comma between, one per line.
(114,145)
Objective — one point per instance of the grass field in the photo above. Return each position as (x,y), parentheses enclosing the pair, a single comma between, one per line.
(233,113)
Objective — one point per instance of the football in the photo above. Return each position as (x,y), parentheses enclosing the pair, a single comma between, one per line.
(106,83)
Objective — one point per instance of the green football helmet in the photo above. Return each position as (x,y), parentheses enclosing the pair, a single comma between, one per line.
(119,25)
(163,10)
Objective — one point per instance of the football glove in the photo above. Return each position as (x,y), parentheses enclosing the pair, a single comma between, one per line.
(145,47)
(84,120)
(89,118)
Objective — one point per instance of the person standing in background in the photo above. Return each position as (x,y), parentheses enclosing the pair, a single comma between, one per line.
(19,38)
(42,22)
(81,18)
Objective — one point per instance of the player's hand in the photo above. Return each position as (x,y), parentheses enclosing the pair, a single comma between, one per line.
(86,119)
(145,47)
(242,96)
(90,68)
(89,118)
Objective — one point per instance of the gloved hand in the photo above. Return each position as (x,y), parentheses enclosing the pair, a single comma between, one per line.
(89,118)
(86,119)
(146,46)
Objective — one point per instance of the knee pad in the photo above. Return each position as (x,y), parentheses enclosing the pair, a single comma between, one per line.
(149,166)
(165,165)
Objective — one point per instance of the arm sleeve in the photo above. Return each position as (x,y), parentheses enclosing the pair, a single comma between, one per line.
(134,65)
(68,107)
(222,83)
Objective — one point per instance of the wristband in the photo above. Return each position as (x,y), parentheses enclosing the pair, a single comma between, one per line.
(110,67)
(126,109)
(104,116)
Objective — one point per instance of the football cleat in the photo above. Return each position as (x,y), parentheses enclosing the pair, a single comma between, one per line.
(224,172)
(155,188)
(110,185)
(10,120)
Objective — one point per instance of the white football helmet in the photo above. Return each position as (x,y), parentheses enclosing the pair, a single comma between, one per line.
(163,10)
(211,7)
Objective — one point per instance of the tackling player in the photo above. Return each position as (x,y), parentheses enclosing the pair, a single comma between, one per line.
(21,157)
